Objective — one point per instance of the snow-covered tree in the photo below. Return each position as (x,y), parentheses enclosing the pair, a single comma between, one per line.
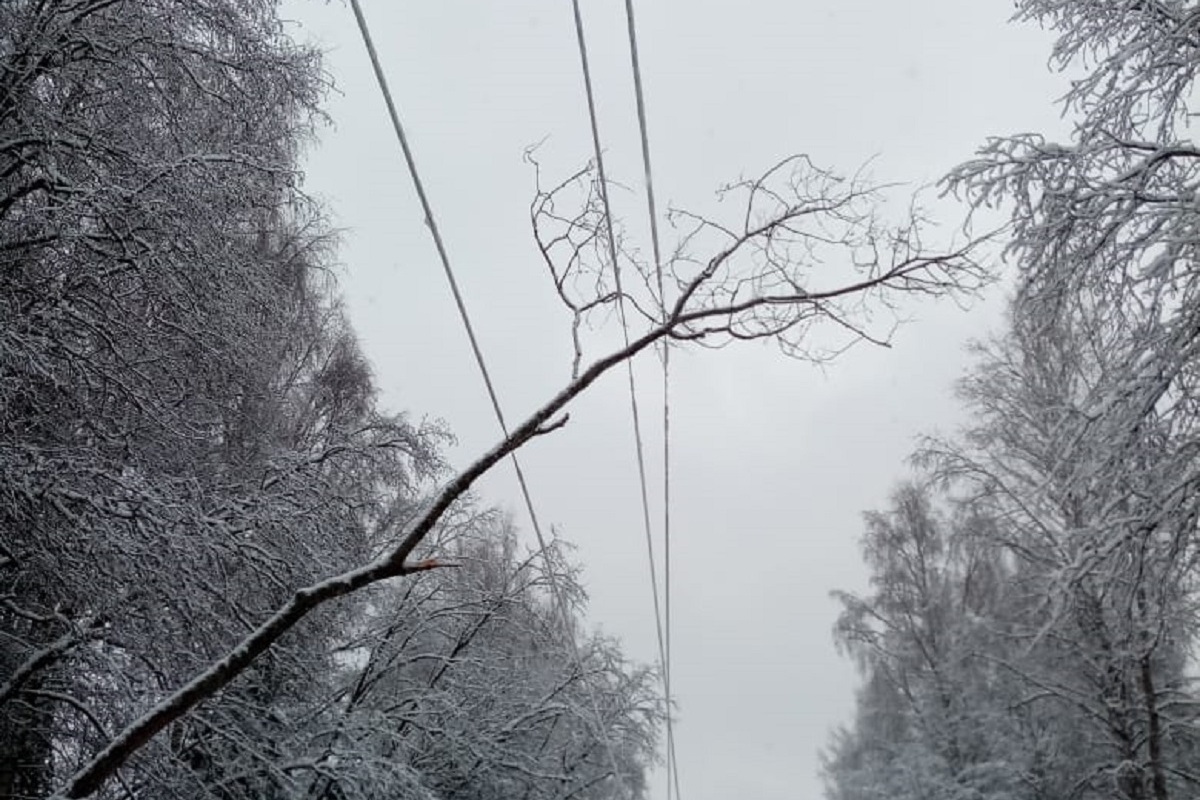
(1081,451)
(188,427)
(1095,449)
(468,678)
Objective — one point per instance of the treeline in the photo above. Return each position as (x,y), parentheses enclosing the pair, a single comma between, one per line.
(189,432)
(1030,628)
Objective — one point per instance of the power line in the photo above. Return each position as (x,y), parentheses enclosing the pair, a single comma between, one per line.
(631,24)
(663,649)
(409,159)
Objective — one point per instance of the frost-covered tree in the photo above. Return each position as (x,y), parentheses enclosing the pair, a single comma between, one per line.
(1081,450)
(188,429)
(467,678)
(1104,226)
(1086,483)
(1095,449)
(931,718)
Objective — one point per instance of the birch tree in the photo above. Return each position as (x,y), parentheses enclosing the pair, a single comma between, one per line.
(1105,336)
(1088,483)
(1108,218)
(1081,447)
(468,678)
(186,419)
(934,712)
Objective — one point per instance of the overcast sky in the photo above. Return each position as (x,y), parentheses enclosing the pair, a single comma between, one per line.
(774,460)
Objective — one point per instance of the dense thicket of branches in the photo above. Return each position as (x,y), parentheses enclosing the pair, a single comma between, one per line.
(1031,626)
(188,432)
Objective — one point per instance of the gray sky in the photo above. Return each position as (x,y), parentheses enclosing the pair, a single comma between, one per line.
(774,460)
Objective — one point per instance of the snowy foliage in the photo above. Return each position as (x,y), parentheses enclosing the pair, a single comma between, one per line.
(189,434)
(1077,478)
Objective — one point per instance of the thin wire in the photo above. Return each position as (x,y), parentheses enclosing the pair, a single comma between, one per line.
(633,402)
(672,762)
(431,222)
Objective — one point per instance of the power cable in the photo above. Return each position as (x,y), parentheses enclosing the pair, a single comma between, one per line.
(431,222)
(637,430)
(631,25)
